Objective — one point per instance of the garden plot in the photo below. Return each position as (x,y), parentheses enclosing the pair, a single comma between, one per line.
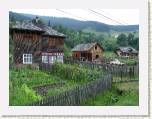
(43,90)
(28,86)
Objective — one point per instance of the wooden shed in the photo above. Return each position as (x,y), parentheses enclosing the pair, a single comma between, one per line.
(88,52)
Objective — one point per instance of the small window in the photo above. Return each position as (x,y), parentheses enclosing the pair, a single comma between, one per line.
(97,56)
(27,58)
(52,59)
(44,59)
(60,58)
(95,47)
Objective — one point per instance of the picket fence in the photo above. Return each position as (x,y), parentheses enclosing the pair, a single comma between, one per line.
(121,72)
(79,94)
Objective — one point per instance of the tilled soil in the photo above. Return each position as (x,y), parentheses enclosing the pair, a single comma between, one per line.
(43,90)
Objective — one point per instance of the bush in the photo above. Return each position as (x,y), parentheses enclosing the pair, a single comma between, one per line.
(23,95)
(74,72)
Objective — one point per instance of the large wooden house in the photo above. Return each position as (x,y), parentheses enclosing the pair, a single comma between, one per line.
(36,43)
(126,52)
(88,52)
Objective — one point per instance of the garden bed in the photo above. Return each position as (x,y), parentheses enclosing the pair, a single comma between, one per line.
(43,90)
(27,85)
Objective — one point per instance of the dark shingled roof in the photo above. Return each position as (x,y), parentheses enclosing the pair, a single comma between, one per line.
(127,49)
(49,31)
(84,47)
(29,25)
(26,25)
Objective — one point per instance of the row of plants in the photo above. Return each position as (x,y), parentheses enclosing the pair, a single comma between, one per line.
(23,80)
(75,72)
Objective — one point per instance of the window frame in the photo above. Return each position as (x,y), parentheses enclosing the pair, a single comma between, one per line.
(27,58)
(45,59)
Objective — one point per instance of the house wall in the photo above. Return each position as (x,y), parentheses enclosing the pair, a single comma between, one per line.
(26,42)
(76,54)
(52,42)
(96,50)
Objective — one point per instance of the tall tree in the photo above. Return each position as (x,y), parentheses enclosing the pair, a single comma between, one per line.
(122,40)
(130,39)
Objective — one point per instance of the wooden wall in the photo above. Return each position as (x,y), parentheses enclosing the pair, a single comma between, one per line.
(97,51)
(25,42)
(57,42)
(76,54)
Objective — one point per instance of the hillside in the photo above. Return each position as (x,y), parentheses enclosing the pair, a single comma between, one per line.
(76,24)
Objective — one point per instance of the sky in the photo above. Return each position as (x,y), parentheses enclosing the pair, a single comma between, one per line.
(108,16)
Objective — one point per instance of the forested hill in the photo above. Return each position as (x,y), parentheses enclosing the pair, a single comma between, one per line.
(75,24)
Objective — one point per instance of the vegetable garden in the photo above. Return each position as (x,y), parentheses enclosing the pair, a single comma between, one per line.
(27,85)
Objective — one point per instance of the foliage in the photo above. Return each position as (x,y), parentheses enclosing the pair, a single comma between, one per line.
(24,79)
(117,96)
(75,24)
(21,83)
(122,40)
(74,72)
(23,95)
(130,40)
(67,51)
(129,62)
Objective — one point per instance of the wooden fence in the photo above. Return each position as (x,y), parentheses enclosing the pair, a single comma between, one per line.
(79,94)
(120,72)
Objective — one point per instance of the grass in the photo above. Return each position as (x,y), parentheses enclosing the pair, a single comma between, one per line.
(121,94)
(125,78)
(108,54)
(24,80)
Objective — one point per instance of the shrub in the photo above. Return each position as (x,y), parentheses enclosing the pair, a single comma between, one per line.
(23,95)
(74,72)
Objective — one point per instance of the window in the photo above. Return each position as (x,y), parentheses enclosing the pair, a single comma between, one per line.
(95,47)
(44,59)
(60,58)
(97,56)
(27,58)
(52,59)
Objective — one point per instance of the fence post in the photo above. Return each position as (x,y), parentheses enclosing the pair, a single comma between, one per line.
(77,97)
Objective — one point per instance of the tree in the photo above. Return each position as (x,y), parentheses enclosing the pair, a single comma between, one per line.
(122,40)
(49,23)
(130,39)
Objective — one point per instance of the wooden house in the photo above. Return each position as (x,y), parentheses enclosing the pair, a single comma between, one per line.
(88,52)
(126,52)
(36,43)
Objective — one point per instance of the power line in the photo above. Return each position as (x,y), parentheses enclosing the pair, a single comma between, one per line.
(99,14)
(71,14)
(115,18)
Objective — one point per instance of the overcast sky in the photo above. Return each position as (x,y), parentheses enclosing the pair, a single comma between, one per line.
(118,16)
